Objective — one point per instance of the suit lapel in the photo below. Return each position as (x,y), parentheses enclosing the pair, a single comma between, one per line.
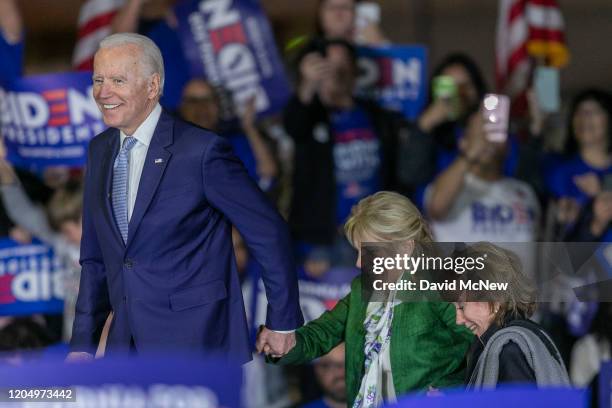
(107,170)
(152,171)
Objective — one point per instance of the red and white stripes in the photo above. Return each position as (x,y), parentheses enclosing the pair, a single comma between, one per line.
(94,24)
(527,30)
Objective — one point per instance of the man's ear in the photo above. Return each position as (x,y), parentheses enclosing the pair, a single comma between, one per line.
(154,86)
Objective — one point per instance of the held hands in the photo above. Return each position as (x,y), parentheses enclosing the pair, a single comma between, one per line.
(274,344)
(79,357)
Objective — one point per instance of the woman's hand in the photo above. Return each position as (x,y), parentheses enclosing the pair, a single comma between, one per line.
(602,213)
(588,183)
(568,210)
(274,344)
(438,112)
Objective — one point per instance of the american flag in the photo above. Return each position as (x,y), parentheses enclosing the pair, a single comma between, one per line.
(95,18)
(528,32)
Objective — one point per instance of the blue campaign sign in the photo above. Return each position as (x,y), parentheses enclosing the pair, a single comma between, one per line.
(395,76)
(229,42)
(605,385)
(49,119)
(30,279)
(510,397)
(151,381)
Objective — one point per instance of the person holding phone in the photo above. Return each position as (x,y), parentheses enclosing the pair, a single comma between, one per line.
(472,200)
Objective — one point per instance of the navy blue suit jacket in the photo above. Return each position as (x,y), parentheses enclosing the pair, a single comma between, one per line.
(174,284)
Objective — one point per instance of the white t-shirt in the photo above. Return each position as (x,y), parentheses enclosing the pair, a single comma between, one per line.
(505,210)
(502,211)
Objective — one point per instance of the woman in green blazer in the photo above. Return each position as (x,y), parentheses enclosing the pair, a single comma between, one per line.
(391,347)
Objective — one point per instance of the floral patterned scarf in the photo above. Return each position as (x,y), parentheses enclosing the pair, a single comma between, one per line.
(377,325)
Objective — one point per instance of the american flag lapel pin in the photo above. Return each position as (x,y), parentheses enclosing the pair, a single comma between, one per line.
(158,161)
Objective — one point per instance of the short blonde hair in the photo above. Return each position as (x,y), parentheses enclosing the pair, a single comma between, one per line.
(386,216)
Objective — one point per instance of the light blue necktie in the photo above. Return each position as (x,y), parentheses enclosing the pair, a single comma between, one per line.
(120,186)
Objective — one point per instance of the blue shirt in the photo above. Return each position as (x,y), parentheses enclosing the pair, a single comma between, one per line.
(357,158)
(561,180)
(11,60)
(316,404)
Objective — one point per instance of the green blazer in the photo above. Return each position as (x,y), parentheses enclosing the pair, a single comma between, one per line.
(427,346)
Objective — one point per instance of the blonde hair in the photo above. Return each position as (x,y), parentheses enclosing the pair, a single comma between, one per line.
(386,216)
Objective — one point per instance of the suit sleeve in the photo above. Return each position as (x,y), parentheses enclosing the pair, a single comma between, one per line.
(318,336)
(230,190)
(92,306)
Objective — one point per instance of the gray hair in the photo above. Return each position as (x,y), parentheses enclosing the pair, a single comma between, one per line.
(152,60)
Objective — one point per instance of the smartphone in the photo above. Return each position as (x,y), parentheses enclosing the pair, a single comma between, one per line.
(444,87)
(546,86)
(366,13)
(496,115)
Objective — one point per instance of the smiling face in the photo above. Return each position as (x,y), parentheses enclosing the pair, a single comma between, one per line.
(476,316)
(123,89)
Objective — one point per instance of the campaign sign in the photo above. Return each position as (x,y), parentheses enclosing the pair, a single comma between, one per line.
(30,279)
(395,76)
(507,397)
(152,381)
(605,385)
(49,120)
(229,42)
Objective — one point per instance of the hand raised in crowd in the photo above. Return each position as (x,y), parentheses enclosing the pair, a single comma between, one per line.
(568,210)
(7,173)
(313,68)
(602,212)
(371,35)
(248,116)
(537,117)
(440,111)
(475,144)
(274,344)
(588,183)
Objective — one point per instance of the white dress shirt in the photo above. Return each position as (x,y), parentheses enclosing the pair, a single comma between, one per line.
(138,154)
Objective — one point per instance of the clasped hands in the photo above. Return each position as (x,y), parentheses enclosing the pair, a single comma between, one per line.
(274,344)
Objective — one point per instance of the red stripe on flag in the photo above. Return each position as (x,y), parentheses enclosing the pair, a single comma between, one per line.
(516,58)
(96,23)
(516,10)
(545,3)
(86,65)
(59,121)
(546,34)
